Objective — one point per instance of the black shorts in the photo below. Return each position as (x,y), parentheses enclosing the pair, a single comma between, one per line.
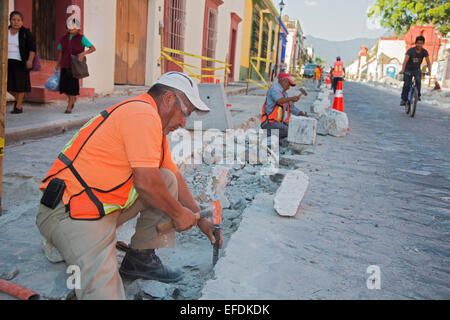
(68,84)
(18,77)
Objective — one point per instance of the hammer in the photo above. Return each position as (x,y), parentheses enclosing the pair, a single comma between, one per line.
(168,226)
(216,187)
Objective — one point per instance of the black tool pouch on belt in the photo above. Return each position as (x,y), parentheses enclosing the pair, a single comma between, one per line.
(53,194)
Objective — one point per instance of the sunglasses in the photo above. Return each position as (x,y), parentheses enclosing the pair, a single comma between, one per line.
(184,108)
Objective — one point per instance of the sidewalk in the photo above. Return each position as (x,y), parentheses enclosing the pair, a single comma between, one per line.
(45,120)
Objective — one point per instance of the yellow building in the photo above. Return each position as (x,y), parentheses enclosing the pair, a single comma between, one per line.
(259,38)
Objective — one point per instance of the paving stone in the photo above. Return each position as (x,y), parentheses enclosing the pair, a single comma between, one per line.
(320,106)
(302,130)
(332,122)
(291,192)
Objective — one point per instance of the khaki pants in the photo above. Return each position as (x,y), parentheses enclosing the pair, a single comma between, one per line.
(91,245)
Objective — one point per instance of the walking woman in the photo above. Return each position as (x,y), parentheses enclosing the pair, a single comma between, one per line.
(21,53)
(73,43)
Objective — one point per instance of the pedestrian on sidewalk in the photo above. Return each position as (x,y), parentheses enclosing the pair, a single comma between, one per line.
(73,43)
(117,166)
(283,66)
(21,53)
(278,106)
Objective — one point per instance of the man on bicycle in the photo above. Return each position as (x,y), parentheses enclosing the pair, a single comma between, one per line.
(411,67)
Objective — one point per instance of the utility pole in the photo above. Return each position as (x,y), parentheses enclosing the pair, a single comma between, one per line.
(4,11)
(281,5)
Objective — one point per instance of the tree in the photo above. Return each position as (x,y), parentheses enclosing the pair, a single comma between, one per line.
(400,15)
(319,61)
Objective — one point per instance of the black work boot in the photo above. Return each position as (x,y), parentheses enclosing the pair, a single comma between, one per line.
(145,264)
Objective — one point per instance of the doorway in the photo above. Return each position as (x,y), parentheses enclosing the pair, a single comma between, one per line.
(131,42)
(44,28)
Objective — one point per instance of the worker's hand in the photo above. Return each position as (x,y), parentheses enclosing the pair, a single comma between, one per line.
(185,221)
(295,99)
(402,72)
(208,229)
(81,57)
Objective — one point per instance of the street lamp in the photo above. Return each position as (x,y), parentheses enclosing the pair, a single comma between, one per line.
(281,5)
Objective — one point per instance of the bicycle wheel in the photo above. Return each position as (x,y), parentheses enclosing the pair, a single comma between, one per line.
(414,100)
(407,106)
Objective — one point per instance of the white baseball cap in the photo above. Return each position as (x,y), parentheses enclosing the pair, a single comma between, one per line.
(185,84)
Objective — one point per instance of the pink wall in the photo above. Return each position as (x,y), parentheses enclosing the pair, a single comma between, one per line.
(26,8)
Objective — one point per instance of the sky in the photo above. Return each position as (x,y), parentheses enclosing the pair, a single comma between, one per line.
(334,20)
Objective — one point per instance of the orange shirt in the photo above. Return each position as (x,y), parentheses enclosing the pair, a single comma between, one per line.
(131,137)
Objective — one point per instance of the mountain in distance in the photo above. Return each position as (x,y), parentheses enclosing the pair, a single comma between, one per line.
(348,50)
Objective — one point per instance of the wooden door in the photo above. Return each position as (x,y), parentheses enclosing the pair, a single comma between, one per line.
(131,41)
(232,54)
(44,28)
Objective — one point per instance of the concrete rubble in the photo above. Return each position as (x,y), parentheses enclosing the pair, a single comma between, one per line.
(320,106)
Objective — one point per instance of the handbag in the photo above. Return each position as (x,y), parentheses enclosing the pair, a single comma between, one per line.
(36,63)
(79,68)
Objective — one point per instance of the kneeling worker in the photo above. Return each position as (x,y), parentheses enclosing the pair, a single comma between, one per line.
(118,165)
(278,107)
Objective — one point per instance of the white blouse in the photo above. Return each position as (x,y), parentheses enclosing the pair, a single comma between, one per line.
(13,46)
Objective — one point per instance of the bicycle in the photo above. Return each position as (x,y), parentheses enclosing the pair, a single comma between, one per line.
(413,96)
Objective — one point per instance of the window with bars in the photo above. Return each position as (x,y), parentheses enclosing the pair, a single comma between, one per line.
(264,45)
(177,13)
(255,33)
(211,36)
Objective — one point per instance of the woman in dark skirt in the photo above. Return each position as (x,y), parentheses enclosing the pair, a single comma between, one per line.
(73,43)
(21,53)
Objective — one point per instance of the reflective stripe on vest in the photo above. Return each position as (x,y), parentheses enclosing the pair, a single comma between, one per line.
(276,115)
(92,203)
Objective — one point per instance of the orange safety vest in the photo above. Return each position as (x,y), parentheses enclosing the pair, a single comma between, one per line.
(338,69)
(92,203)
(276,115)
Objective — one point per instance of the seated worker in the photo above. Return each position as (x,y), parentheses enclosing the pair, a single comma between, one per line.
(117,166)
(278,107)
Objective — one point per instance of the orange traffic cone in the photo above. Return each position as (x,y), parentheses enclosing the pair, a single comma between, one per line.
(339,98)
(328,81)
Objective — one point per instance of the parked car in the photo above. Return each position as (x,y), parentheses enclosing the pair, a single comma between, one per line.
(309,70)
